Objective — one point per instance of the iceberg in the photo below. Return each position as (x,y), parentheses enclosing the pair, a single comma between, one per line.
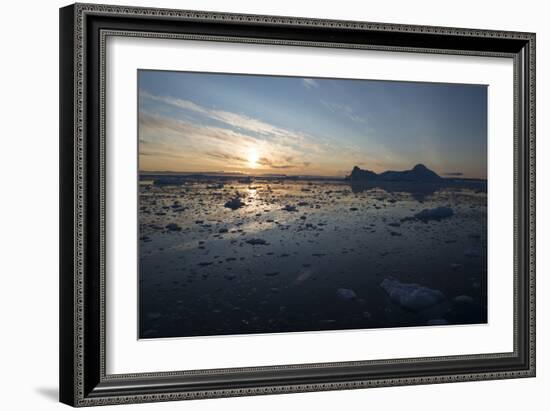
(411,296)
(346,294)
(437,214)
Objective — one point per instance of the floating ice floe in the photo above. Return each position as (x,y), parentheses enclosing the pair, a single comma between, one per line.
(216,186)
(289,208)
(173,227)
(346,294)
(437,214)
(438,321)
(234,203)
(302,276)
(413,297)
(257,241)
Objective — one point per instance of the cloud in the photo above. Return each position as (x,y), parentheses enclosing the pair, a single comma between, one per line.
(171,135)
(185,143)
(264,161)
(225,157)
(268,163)
(309,83)
(168,135)
(187,146)
(176,102)
(343,110)
(236,120)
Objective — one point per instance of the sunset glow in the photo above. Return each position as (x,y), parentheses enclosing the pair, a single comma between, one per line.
(199,122)
(253,158)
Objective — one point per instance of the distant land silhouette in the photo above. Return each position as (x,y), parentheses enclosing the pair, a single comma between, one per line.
(419,173)
(420,181)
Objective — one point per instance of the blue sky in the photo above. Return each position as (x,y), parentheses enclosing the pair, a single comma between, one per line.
(305,126)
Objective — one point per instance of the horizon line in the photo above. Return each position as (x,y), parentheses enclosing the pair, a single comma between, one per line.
(242,174)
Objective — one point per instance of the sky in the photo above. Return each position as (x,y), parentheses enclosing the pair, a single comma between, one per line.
(205,122)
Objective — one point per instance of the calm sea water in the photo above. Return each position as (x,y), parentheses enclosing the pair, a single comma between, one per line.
(306,255)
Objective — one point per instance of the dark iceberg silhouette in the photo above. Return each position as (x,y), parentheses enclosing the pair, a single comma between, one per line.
(419,173)
(419,181)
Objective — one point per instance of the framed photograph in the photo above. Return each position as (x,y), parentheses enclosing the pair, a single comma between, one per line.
(261,204)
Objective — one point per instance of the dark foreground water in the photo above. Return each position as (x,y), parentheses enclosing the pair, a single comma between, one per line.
(308,255)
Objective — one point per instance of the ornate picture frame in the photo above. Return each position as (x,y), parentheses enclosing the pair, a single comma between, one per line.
(84,30)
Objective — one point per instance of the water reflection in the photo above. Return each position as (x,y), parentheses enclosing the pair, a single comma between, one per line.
(279,262)
(419,191)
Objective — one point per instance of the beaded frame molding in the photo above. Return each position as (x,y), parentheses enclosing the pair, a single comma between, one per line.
(84,29)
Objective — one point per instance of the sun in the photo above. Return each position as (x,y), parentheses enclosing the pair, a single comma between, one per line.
(252,157)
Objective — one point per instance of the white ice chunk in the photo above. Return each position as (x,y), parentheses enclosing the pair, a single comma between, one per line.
(413,297)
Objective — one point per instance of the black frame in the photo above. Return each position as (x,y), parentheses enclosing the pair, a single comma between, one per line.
(83,30)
